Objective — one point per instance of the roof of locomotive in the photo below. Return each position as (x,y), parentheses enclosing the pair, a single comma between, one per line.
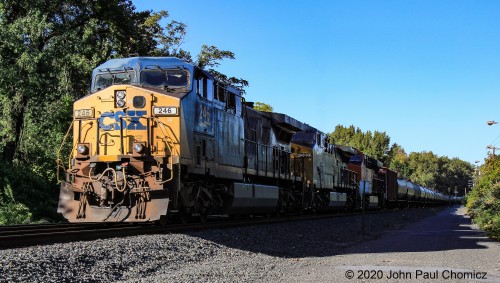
(286,122)
(140,63)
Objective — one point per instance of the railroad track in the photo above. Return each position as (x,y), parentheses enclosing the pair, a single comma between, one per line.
(30,235)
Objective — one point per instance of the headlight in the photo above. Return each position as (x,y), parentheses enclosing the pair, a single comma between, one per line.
(120,103)
(82,149)
(138,147)
(120,94)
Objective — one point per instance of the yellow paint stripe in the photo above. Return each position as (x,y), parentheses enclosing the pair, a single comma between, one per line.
(108,158)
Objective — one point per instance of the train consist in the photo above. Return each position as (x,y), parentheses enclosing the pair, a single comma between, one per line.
(160,138)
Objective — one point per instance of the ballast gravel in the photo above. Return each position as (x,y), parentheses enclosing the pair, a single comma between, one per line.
(254,253)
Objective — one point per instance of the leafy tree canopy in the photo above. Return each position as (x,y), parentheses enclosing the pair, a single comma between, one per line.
(373,144)
(263,107)
(483,202)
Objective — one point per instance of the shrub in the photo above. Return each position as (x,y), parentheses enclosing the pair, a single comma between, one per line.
(14,213)
(483,202)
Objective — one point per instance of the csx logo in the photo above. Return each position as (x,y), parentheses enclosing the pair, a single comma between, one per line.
(132,123)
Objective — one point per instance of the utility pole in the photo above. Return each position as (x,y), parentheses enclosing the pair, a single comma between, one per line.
(363,209)
(492,148)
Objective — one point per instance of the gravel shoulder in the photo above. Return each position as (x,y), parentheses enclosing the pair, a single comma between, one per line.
(317,250)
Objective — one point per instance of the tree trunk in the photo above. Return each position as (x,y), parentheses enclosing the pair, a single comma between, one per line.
(11,147)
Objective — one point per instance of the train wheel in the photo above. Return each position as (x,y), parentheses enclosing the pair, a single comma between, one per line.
(184,216)
(163,220)
(349,204)
(203,212)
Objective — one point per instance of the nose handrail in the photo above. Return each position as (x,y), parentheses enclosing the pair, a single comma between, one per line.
(59,162)
(167,143)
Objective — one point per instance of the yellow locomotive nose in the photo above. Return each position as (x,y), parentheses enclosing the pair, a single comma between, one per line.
(124,146)
(122,119)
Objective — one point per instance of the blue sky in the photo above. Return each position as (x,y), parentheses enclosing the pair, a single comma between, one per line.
(425,72)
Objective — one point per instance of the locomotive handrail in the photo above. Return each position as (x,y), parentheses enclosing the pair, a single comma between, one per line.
(165,134)
(256,144)
(305,173)
(134,117)
(58,159)
(156,119)
(345,178)
(377,182)
(277,157)
(171,162)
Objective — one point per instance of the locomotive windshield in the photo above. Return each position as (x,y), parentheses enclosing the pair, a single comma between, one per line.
(355,159)
(304,138)
(164,78)
(104,80)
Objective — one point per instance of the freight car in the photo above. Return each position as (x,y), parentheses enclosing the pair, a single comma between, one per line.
(158,138)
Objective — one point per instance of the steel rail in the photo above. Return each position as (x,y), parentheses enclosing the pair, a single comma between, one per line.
(61,233)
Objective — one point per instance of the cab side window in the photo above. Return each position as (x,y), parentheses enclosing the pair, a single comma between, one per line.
(202,86)
(220,92)
(231,100)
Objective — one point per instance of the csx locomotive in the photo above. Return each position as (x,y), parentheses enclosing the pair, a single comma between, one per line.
(158,138)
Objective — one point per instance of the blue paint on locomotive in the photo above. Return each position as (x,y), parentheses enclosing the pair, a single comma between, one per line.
(204,116)
(134,124)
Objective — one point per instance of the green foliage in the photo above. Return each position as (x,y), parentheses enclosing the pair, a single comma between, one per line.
(14,213)
(210,57)
(424,168)
(397,160)
(27,186)
(453,174)
(263,107)
(483,202)
(166,40)
(374,145)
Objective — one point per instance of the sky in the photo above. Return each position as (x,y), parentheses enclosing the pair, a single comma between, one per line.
(425,72)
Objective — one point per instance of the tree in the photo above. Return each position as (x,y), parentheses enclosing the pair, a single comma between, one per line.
(263,107)
(397,160)
(373,144)
(483,202)
(454,174)
(424,168)
(168,41)
(210,56)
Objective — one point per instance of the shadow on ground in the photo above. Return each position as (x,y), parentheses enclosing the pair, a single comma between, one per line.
(412,230)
